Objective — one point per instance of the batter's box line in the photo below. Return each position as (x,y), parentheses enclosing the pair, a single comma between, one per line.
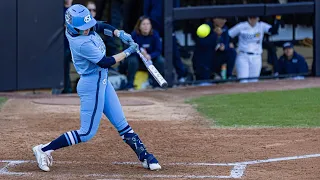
(237,171)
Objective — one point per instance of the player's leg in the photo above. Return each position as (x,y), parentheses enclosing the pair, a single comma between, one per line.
(114,112)
(255,65)
(91,91)
(242,67)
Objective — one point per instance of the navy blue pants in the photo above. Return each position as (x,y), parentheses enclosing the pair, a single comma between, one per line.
(227,57)
(97,97)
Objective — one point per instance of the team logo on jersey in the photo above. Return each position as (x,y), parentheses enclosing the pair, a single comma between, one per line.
(104,81)
(257,35)
(294,60)
(87,18)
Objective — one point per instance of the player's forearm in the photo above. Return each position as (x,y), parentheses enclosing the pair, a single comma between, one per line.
(119,57)
(107,62)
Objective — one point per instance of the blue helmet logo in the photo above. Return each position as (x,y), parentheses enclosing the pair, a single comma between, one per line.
(78,18)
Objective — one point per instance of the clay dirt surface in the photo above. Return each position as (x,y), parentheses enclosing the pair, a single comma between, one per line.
(170,129)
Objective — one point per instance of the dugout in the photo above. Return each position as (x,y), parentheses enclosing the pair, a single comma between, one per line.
(31,53)
(224,9)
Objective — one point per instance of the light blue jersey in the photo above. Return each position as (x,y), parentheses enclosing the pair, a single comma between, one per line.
(86,52)
(97,96)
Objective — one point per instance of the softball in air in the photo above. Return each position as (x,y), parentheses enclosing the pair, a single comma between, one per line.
(203,30)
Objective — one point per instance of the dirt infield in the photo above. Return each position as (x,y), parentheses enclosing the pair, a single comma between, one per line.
(188,146)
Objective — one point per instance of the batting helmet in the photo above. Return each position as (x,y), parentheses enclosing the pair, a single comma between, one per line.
(78,18)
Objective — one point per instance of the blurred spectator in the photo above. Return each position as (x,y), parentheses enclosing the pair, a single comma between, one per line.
(225,52)
(92,8)
(122,16)
(154,10)
(149,42)
(291,62)
(204,54)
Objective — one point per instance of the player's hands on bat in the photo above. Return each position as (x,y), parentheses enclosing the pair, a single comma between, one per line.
(131,49)
(125,37)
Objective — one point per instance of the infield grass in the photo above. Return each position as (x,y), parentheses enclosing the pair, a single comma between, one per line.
(2,100)
(296,108)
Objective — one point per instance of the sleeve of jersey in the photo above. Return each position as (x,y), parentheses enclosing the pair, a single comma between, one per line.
(91,52)
(106,62)
(101,26)
(233,32)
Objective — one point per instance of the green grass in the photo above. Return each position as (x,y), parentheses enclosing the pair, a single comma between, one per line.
(297,108)
(2,101)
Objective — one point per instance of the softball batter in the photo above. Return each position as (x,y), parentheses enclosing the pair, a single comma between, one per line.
(96,93)
(249,58)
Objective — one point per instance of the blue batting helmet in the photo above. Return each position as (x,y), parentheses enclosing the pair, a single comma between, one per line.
(78,18)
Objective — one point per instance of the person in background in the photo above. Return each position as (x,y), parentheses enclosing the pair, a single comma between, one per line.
(149,42)
(204,54)
(123,16)
(92,8)
(291,62)
(251,34)
(225,52)
(154,10)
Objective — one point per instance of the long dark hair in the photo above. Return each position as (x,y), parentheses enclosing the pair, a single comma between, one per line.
(137,26)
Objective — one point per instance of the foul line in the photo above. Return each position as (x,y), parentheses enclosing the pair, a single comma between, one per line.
(232,164)
(279,159)
(157,176)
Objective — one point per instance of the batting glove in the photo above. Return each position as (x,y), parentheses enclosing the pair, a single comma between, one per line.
(133,48)
(125,37)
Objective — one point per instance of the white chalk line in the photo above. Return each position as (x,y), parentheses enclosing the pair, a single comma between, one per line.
(232,164)
(158,176)
(181,164)
(237,171)
(279,159)
(5,171)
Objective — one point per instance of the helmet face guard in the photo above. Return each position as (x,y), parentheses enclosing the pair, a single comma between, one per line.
(78,19)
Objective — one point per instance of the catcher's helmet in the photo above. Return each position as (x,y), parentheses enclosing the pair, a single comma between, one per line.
(78,18)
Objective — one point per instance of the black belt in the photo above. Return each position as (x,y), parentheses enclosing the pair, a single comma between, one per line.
(249,53)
